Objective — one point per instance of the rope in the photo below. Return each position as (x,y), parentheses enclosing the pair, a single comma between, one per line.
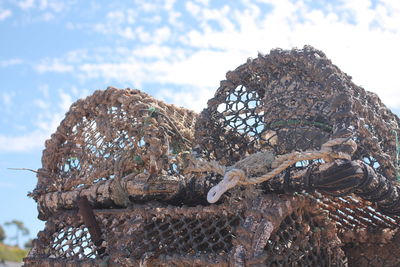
(238,177)
(200,165)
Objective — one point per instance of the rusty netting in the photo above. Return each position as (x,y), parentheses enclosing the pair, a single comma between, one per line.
(269,231)
(113,134)
(292,100)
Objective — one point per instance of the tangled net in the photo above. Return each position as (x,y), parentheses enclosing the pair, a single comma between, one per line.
(125,177)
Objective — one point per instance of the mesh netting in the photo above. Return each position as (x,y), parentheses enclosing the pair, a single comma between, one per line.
(170,236)
(352,213)
(300,241)
(172,231)
(121,134)
(292,101)
(114,132)
(129,159)
(66,238)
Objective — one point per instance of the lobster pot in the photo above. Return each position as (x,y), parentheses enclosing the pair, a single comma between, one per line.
(294,100)
(268,231)
(124,179)
(107,139)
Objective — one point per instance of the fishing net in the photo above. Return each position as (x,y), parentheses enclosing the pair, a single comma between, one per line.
(125,178)
(111,136)
(292,101)
(157,235)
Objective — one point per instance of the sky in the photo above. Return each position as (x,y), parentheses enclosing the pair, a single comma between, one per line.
(53,52)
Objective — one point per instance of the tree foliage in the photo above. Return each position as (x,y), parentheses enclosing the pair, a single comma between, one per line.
(28,244)
(2,234)
(20,229)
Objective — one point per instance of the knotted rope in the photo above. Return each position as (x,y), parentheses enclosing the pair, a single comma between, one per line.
(236,176)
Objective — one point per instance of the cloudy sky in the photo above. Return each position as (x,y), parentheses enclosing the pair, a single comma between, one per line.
(53,52)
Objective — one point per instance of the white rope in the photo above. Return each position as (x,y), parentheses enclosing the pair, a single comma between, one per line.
(237,176)
(231,179)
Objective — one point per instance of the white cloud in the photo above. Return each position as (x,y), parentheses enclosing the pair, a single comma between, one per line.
(53,66)
(48,118)
(44,90)
(117,16)
(192,8)
(201,69)
(66,101)
(127,33)
(43,4)
(10,62)
(40,103)
(130,16)
(48,16)
(146,6)
(53,5)
(143,35)
(6,98)
(161,35)
(24,142)
(203,2)
(5,14)
(169,5)
(59,6)
(115,24)
(361,40)
(26,4)
(193,99)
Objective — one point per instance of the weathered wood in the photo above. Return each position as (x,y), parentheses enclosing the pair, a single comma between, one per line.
(88,218)
(340,177)
(139,188)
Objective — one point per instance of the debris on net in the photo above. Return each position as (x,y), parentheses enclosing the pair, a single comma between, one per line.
(300,162)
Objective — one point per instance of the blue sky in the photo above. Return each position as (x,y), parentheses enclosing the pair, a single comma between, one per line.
(53,52)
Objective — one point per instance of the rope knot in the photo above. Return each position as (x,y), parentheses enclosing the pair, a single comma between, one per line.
(331,150)
(230,180)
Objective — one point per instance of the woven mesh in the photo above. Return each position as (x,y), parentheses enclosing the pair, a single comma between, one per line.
(118,148)
(292,101)
(171,236)
(188,235)
(189,231)
(352,213)
(112,133)
(65,239)
(300,241)
(74,242)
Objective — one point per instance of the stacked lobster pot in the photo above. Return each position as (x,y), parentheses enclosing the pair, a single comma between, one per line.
(298,164)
